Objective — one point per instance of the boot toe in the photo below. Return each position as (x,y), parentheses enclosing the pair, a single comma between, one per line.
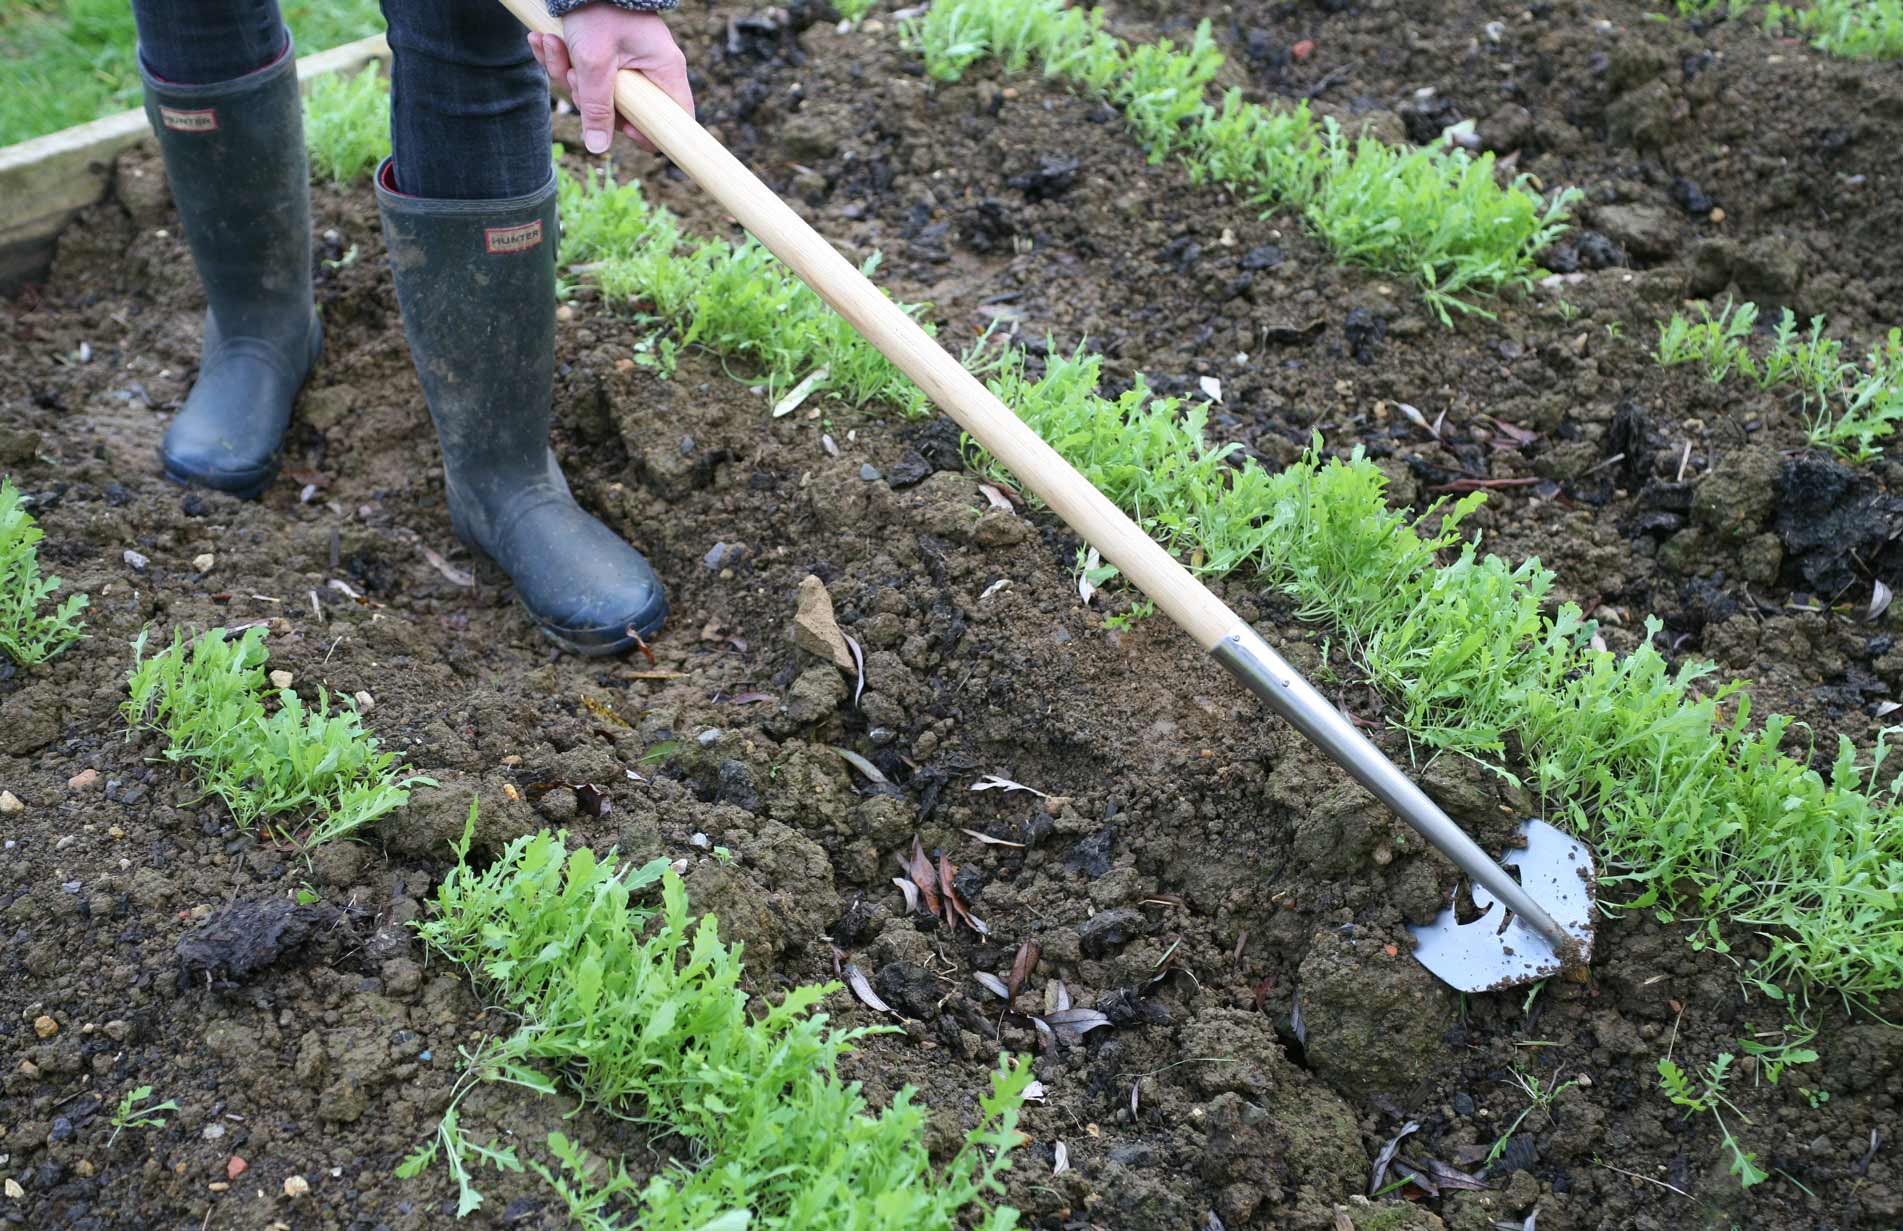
(589,591)
(206,460)
(227,434)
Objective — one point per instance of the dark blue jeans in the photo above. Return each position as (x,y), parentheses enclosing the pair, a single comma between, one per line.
(469,116)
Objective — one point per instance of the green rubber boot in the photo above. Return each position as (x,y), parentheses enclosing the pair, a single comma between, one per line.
(476,283)
(234,154)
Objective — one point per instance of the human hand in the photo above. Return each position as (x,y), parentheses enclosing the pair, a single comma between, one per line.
(598,41)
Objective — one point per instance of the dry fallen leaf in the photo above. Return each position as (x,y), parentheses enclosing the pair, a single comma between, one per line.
(856,980)
(910,891)
(992,983)
(1880,597)
(988,840)
(997,499)
(864,766)
(991,782)
(1022,965)
(453,575)
(1063,1160)
(922,875)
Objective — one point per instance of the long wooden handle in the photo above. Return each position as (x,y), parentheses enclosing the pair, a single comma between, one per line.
(899,338)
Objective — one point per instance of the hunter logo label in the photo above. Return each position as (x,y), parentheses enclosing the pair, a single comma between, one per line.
(205,121)
(513,239)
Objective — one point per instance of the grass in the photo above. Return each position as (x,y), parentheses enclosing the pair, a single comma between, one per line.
(1851,29)
(1852,408)
(64,62)
(347,125)
(207,698)
(734,299)
(1431,213)
(30,633)
(643,1014)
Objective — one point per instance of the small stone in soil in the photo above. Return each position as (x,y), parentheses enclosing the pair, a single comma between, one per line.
(281,679)
(869,472)
(82,780)
(296,1186)
(137,561)
(203,563)
(45,1026)
(10,803)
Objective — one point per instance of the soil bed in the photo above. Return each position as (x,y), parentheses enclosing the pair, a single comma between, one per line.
(1220,891)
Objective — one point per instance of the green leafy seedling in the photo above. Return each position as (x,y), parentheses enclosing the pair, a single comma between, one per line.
(1706,1095)
(134,1112)
(28,633)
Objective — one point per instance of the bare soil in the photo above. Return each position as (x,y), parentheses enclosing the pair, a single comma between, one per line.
(1232,902)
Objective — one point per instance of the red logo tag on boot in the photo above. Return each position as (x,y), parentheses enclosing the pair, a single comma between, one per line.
(205,121)
(512,239)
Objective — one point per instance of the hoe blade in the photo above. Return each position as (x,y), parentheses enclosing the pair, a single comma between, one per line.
(1497,949)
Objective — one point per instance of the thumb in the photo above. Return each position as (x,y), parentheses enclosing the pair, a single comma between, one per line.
(595,99)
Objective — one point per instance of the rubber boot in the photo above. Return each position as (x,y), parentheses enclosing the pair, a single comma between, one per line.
(234,154)
(476,284)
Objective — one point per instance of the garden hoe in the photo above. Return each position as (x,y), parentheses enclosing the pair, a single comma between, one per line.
(1526,929)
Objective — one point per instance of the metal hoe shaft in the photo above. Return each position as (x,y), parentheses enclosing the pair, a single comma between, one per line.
(1269,676)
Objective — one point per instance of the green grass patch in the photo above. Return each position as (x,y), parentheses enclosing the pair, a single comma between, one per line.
(1851,29)
(1431,213)
(642,1012)
(1853,408)
(734,299)
(1854,29)
(32,630)
(318,768)
(347,124)
(64,62)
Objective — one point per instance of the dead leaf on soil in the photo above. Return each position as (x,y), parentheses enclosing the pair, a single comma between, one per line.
(858,669)
(997,499)
(453,575)
(1072,1025)
(1034,1093)
(864,766)
(593,799)
(1062,1163)
(920,868)
(1879,601)
(603,712)
(1454,1177)
(748,698)
(910,891)
(1295,1024)
(991,782)
(1021,967)
(992,983)
(1386,1156)
(1086,588)
(988,840)
(856,980)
